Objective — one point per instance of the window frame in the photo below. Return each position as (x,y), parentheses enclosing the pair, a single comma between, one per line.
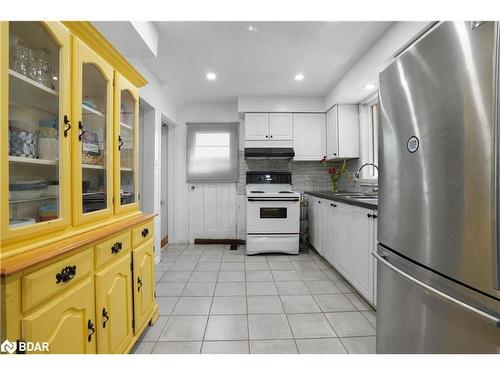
(367,139)
(215,127)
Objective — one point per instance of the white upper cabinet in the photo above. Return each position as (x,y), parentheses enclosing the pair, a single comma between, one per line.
(256,126)
(280,127)
(342,132)
(309,141)
(268,127)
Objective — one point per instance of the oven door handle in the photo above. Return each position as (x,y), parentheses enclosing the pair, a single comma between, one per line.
(273,199)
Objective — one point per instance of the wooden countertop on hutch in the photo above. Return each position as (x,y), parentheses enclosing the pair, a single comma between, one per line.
(22,261)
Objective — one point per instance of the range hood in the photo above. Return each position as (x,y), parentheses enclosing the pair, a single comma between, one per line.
(269,153)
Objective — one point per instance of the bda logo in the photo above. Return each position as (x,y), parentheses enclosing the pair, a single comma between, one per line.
(8,347)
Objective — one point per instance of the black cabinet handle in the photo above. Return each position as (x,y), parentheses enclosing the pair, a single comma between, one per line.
(91,328)
(139,283)
(369,215)
(116,248)
(82,131)
(105,315)
(67,126)
(267,136)
(66,274)
(375,216)
(145,232)
(120,142)
(271,136)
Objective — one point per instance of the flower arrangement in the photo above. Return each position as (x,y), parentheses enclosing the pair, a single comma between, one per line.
(335,173)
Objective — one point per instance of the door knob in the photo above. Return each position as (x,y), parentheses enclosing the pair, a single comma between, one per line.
(192,187)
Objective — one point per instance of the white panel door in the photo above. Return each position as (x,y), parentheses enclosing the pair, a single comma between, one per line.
(256,126)
(311,217)
(280,127)
(362,248)
(309,136)
(328,224)
(318,220)
(212,211)
(342,236)
(332,139)
(348,131)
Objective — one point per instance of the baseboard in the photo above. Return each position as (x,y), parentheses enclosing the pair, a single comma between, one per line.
(208,241)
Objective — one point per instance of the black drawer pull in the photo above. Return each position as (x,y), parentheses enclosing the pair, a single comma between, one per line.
(369,215)
(120,142)
(91,328)
(145,232)
(375,216)
(66,274)
(139,284)
(105,315)
(116,248)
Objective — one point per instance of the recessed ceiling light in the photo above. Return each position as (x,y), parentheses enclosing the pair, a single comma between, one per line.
(211,76)
(299,77)
(252,29)
(370,86)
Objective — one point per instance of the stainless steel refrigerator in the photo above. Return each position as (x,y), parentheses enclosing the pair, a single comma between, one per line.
(438,255)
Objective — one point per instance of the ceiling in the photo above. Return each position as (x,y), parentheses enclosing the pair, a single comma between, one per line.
(253,63)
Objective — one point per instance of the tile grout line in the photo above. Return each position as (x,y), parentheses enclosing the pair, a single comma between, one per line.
(284,311)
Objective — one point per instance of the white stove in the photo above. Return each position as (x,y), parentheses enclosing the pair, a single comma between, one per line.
(273,213)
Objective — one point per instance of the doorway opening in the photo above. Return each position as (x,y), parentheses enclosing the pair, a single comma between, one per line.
(164,185)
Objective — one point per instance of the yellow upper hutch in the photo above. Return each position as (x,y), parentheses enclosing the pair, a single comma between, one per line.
(72,237)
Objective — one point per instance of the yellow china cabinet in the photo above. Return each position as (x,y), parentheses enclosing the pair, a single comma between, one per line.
(76,254)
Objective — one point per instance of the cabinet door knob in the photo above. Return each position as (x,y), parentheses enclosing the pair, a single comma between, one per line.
(334,205)
(116,248)
(271,136)
(67,273)
(105,315)
(91,328)
(67,126)
(145,232)
(267,136)
(369,215)
(375,216)
(139,283)
(120,142)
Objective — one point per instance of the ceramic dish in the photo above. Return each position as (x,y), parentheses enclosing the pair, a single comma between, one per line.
(21,221)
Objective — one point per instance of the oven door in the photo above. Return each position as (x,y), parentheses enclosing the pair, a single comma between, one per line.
(269,216)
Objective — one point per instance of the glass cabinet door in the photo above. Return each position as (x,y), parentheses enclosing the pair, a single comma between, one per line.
(126,128)
(94,113)
(35,127)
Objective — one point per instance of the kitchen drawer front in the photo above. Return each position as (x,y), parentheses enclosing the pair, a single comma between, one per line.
(48,281)
(142,233)
(112,248)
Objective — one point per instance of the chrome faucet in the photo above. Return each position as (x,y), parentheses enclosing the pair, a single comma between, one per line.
(364,165)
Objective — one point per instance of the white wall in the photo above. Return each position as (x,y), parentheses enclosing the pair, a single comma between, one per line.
(349,89)
(280,104)
(162,108)
(198,112)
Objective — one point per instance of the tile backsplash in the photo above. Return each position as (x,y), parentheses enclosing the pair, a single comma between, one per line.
(306,175)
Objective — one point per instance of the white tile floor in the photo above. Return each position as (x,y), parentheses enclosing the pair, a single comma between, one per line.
(216,300)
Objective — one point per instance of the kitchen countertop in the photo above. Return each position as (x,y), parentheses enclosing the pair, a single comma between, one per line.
(339,198)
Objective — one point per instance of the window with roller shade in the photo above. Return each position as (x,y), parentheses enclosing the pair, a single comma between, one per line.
(212,152)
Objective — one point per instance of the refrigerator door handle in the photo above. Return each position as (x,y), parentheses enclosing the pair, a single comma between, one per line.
(492,319)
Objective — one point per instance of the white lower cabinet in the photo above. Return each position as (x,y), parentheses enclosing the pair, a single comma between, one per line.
(345,235)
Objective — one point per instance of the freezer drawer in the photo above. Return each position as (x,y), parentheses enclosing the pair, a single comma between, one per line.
(411,318)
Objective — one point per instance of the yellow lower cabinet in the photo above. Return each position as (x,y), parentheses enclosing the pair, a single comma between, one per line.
(144,277)
(67,323)
(114,307)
